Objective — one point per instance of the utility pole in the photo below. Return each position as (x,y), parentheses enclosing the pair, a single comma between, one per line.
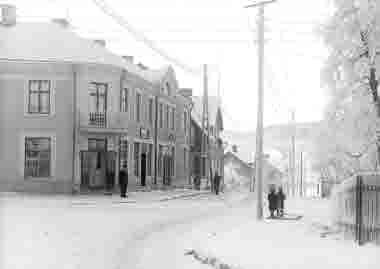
(155,141)
(260,110)
(293,154)
(205,154)
(301,175)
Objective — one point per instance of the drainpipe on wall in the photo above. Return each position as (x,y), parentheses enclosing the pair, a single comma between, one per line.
(155,141)
(189,142)
(75,127)
(117,166)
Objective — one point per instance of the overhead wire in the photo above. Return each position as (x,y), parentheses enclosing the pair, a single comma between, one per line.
(139,36)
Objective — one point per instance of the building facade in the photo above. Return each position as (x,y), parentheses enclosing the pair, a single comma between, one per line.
(73,114)
(205,164)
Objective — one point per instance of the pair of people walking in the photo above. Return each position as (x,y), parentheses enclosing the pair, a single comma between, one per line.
(276,202)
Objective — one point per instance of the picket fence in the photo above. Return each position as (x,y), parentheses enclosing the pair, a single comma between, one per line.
(356,207)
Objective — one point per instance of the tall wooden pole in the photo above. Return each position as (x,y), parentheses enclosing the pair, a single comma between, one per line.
(301,175)
(205,154)
(260,110)
(293,154)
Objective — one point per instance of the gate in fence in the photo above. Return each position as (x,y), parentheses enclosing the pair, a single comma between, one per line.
(357,208)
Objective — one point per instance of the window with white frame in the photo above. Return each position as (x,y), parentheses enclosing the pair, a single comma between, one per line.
(98,97)
(138,107)
(39,93)
(150,111)
(37,157)
(167,117)
(161,115)
(124,100)
(172,119)
(168,89)
(185,121)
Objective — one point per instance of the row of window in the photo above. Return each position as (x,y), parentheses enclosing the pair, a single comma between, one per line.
(38,156)
(166,112)
(140,149)
(39,95)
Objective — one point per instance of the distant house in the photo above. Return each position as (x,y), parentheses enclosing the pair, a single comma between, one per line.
(239,173)
(196,134)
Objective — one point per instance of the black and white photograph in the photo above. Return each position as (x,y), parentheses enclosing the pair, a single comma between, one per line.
(177,134)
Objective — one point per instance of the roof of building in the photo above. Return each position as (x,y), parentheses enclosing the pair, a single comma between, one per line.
(213,109)
(52,42)
(266,164)
(245,171)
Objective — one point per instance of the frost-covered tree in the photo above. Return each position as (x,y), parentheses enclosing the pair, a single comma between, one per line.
(351,74)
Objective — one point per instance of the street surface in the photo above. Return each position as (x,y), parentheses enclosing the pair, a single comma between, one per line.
(58,232)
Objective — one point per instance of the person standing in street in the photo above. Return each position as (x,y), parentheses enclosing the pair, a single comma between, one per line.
(280,202)
(123,181)
(272,201)
(216,183)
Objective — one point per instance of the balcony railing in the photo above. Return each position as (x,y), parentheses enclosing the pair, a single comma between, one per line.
(103,120)
(97,119)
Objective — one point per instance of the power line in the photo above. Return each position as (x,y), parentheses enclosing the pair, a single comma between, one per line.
(105,8)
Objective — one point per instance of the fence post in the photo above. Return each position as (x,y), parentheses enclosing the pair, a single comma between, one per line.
(359,213)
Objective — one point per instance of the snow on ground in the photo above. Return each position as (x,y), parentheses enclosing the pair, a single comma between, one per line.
(235,238)
(55,232)
(284,244)
(65,232)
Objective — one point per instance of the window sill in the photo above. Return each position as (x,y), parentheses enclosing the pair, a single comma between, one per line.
(39,179)
(30,115)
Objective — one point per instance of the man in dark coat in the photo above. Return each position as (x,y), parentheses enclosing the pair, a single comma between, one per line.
(272,201)
(280,202)
(123,182)
(216,183)
(197,182)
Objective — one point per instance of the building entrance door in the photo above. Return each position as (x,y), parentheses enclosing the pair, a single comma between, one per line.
(93,165)
(97,169)
(166,161)
(143,169)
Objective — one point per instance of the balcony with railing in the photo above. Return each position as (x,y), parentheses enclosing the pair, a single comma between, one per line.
(98,122)
(97,119)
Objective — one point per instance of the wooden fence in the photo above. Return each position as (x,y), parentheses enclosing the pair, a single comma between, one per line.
(356,204)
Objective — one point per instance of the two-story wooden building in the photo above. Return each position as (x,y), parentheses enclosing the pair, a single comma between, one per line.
(73,113)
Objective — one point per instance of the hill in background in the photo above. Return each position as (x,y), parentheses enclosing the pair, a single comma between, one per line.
(277,142)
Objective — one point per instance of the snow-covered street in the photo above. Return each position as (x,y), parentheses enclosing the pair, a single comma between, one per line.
(54,232)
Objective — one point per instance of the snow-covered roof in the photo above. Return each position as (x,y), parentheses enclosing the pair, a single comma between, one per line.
(267,165)
(156,75)
(213,107)
(52,42)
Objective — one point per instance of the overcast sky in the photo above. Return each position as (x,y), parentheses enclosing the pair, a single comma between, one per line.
(220,33)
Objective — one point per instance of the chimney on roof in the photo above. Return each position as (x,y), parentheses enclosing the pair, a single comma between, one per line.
(8,14)
(100,42)
(62,22)
(143,67)
(128,58)
(186,92)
